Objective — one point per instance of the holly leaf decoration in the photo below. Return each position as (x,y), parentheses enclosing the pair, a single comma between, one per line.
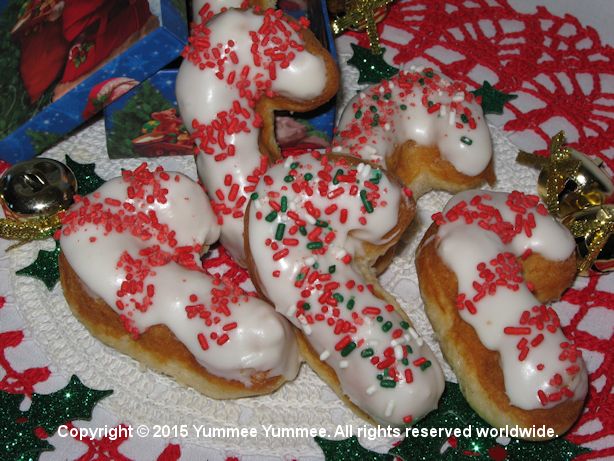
(493,100)
(348,449)
(85,173)
(454,412)
(372,68)
(46,413)
(45,267)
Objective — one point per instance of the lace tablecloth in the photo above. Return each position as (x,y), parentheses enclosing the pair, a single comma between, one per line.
(562,74)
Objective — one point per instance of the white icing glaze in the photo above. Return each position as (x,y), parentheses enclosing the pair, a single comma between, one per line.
(505,319)
(435,112)
(244,335)
(229,91)
(326,279)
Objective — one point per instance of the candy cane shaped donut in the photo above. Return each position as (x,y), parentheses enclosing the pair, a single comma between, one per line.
(485,267)
(131,273)
(427,130)
(314,228)
(238,69)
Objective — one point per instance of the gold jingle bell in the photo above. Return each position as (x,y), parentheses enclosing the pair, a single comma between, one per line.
(33,194)
(37,188)
(593,229)
(587,184)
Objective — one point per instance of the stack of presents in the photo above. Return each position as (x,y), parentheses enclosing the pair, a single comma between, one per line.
(64,61)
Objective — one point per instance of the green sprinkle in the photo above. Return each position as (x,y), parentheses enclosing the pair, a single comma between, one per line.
(284,204)
(379,318)
(387,326)
(404,361)
(425,365)
(316,265)
(466,140)
(321,223)
(348,349)
(365,202)
(271,216)
(375,97)
(337,173)
(300,276)
(388,383)
(429,74)
(430,104)
(351,303)
(254,196)
(368,352)
(306,306)
(373,109)
(404,325)
(421,81)
(387,95)
(279,233)
(377,176)
(314,245)
(375,121)
(464,118)
(289,178)
(308,176)
(409,349)
(380,376)
(358,114)
(403,106)
(332,269)
(293,165)
(338,297)
(302,230)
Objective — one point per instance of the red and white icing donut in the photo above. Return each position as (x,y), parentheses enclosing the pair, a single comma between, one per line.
(427,109)
(480,236)
(306,231)
(237,68)
(136,243)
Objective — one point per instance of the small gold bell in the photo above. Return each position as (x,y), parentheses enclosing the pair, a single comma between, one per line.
(593,229)
(37,188)
(582,182)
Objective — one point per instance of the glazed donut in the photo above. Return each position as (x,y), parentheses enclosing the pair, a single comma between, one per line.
(485,267)
(314,228)
(429,131)
(131,273)
(238,69)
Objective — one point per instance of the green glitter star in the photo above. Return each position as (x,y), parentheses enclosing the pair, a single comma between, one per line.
(493,100)
(348,449)
(372,68)
(45,267)
(87,179)
(47,412)
(454,412)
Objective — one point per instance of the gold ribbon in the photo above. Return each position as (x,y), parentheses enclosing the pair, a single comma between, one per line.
(29,229)
(362,14)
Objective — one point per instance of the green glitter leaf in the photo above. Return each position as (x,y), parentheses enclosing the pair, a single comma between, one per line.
(372,68)
(87,179)
(45,267)
(493,100)
(454,412)
(47,411)
(348,449)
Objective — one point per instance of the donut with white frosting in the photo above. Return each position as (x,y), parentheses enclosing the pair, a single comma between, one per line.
(314,229)
(238,68)
(486,267)
(428,130)
(131,272)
